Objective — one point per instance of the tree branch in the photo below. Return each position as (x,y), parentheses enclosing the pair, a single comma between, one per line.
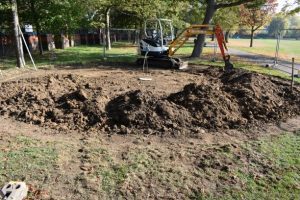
(255,29)
(226,5)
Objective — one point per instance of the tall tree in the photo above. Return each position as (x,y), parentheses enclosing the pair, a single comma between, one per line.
(5,15)
(35,12)
(17,36)
(52,16)
(211,7)
(294,23)
(257,17)
(292,7)
(277,24)
(228,18)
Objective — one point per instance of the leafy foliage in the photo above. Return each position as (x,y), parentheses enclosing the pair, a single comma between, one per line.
(256,17)
(278,23)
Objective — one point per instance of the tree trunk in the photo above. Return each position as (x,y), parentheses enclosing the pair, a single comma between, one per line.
(128,36)
(252,36)
(100,36)
(227,36)
(17,36)
(86,38)
(37,25)
(210,10)
(38,32)
(94,41)
(213,37)
(107,29)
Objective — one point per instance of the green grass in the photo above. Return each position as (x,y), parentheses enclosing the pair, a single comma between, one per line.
(270,172)
(26,159)
(288,48)
(125,52)
(282,164)
(187,50)
(120,52)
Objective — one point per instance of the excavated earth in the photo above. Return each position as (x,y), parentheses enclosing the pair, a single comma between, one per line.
(217,101)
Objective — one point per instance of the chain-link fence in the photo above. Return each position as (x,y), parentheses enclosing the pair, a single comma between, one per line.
(287,48)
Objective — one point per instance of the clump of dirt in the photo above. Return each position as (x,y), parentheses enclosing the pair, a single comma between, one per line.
(146,113)
(261,98)
(57,101)
(210,106)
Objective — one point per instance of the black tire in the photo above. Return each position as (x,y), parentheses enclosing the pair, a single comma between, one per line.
(139,61)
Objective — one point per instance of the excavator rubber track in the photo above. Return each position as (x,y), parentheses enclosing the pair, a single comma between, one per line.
(163,62)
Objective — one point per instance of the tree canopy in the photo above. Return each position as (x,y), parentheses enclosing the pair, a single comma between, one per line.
(67,16)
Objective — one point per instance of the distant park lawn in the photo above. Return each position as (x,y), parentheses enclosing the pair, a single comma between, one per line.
(267,47)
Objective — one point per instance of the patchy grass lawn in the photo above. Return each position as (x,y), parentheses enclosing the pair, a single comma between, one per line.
(273,170)
(26,159)
(288,48)
(140,167)
(270,170)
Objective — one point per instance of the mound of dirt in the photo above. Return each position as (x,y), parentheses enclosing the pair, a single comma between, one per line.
(143,112)
(261,98)
(219,101)
(63,102)
(210,106)
(236,100)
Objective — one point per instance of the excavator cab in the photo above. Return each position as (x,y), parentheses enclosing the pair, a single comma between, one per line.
(154,47)
(158,33)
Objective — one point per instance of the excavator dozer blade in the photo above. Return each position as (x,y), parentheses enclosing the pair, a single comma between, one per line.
(164,63)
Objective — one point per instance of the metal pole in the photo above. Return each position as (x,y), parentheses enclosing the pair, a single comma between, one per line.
(2,44)
(104,46)
(293,66)
(27,48)
(277,48)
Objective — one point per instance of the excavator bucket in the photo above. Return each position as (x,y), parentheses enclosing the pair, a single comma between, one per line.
(228,65)
(184,65)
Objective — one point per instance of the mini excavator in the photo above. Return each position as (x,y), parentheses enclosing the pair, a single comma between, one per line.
(159,44)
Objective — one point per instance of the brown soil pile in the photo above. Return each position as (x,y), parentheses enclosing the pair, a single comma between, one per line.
(64,102)
(143,112)
(211,107)
(236,100)
(261,98)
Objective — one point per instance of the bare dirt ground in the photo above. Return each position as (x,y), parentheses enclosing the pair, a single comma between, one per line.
(101,133)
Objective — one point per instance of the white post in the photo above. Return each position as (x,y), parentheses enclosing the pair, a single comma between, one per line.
(277,49)
(27,48)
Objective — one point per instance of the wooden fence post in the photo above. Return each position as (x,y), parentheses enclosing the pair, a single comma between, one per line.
(293,67)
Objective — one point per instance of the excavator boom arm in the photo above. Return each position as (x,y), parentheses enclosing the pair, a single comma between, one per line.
(195,30)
